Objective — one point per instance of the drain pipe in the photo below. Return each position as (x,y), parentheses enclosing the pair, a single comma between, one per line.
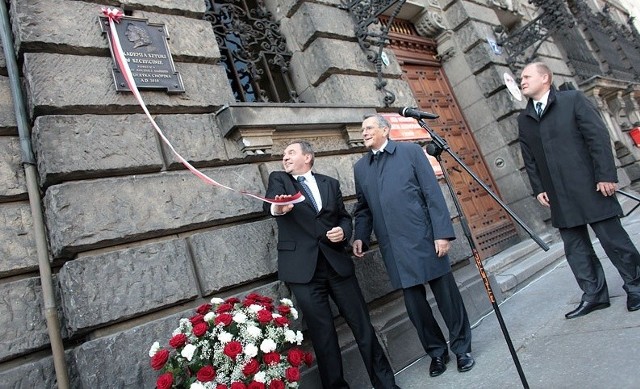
(33,190)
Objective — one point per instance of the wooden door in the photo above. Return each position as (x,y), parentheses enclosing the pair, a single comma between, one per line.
(491,227)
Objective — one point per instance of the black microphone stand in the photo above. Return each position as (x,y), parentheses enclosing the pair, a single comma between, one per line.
(439,145)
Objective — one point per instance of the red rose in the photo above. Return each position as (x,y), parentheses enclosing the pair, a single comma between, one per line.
(232,300)
(308,359)
(256,385)
(232,349)
(265,300)
(292,374)
(276,384)
(284,310)
(206,374)
(295,357)
(164,381)
(238,385)
(281,321)
(178,340)
(196,319)
(203,309)
(250,368)
(159,359)
(223,318)
(224,307)
(200,329)
(221,386)
(264,316)
(271,358)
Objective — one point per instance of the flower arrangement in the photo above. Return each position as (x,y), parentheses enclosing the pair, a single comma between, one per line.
(233,344)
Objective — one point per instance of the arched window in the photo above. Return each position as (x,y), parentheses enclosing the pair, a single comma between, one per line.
(254,52)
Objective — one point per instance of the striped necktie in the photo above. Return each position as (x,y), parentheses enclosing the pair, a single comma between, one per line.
(539,108)
(307,191)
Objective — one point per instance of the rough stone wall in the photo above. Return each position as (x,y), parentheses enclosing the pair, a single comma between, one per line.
(136,241)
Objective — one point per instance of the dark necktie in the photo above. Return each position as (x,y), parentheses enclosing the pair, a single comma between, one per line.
(308,192)
(539,109)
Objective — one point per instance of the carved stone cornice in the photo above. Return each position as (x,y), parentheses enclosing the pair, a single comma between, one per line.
(430,22)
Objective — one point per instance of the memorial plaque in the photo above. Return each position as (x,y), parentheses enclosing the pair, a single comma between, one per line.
(146,50)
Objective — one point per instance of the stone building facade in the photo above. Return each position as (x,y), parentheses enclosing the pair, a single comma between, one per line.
(134,241)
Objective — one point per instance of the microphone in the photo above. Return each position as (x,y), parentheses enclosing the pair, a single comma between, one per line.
(409,112)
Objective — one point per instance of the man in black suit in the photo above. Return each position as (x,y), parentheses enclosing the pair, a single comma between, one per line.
(567,154)
(312,261)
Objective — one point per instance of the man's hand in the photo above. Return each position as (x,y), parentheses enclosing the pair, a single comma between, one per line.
(335,234)
(606,188)
(543,199)
(442,247)
(282,209)
(357,248)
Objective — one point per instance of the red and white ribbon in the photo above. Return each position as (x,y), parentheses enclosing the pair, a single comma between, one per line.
(115,15)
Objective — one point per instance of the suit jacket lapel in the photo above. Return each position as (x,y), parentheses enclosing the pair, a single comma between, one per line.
(323,188)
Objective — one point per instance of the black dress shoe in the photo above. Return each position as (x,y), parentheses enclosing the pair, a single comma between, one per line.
(465,362)
(438,365)
(633,302)
(585,308)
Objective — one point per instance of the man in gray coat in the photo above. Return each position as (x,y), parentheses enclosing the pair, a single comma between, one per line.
(567,154)
(400,199)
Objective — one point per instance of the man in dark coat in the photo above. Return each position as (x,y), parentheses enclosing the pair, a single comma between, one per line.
(400,199)
(567,154)
(313,262)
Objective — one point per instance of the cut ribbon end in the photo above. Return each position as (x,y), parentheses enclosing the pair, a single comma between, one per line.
(294,199)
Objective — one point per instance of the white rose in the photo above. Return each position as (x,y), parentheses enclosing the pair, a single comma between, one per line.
(240,318)
(294,313)
(268,345)
(254,331)
(290,336)
(255,308)
(196,385)
(251,350)
(260,376)
(299,337)
(154,349)
(217,301)
(225,337)
(286,301)
(188,351)
(209,316)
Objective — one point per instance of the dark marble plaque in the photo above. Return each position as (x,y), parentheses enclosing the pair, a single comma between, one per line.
(147,52)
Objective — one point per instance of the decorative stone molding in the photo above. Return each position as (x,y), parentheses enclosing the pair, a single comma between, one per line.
(430,22)
(506,5)
(255,125)
(446,46)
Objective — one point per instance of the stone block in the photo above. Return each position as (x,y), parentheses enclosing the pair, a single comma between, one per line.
(190,39)
(457,69)
(471,95)
(463,11)
(34,374)
(80,146)
(234,255)
(111,287)
(196,137)
(491,79)
(481,56)
(514,187)
(313,20)
(340,89)
(188,7)
(91,214)
(479,115)
(472,34)
(325,57)
(3,62)
(503,104)
(22,323)
(52,87)
(18,249)
(504,161)
(12,180)
(532,214)
(8,123)
(372,276)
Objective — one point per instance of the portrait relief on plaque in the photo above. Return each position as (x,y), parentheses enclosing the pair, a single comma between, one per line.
(146,50)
